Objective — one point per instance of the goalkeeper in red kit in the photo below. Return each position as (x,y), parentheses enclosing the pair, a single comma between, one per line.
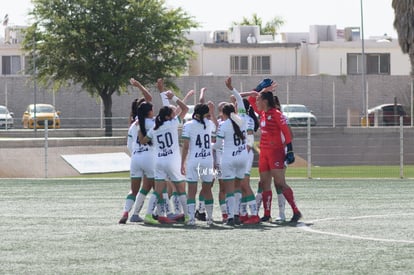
(275,136)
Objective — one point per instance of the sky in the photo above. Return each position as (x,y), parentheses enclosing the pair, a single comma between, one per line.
(378,15)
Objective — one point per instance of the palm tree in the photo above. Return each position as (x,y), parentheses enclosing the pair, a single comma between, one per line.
(270,28)
(404,24)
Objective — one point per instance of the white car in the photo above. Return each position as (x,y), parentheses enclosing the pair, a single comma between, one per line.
(6,118)
(298,115)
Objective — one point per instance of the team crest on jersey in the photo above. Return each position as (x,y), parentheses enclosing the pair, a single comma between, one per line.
(263,123)
(269,117)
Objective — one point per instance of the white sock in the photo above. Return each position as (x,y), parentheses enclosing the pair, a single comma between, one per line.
(129,202)
(167,205)
(230,204)
(237,202)
(259,200)
(183,201)
(209,210)
(152,203)
(253,208)
(243,208)
(281,201)
(176,202)
(191,210)
(139,202)
(223,208)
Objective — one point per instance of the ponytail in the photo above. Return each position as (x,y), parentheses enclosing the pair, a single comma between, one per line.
(143,111)
(200,110)
(229,111)
(251,113)
(161,117)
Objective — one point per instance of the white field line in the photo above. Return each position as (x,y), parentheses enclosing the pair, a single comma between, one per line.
(306,228)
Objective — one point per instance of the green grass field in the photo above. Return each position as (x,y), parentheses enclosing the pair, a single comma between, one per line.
(51,226)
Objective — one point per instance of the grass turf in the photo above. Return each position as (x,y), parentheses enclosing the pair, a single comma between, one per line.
(70,226)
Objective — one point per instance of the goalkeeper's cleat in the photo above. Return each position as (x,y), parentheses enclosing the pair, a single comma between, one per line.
(149,219)
(200,216)
(296,217)
(266,219)
(253,220)
(165,220)
(136,218)
(124,218)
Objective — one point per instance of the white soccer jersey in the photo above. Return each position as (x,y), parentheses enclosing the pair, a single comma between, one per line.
(200,153)
(142,155)
(165,140)
(234,156)
(167,151)
(200,140)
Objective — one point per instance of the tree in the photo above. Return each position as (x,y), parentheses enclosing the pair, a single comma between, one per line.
(102,44)
(404,24)
(270,27)
(273,26)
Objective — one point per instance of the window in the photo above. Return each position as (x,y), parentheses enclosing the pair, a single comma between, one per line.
(376,63)
(11,64)
(239,64)
(260,65)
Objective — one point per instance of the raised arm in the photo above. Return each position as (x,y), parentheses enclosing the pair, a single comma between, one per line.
(160,86)
(180,103)
(212,113)
(145,92)
(235,93)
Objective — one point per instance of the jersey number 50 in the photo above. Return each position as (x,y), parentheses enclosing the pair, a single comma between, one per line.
(165,140)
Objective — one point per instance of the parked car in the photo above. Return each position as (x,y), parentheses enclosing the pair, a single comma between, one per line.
(189,115)
(298,114)
(6,118)
(42,113)
(388,115)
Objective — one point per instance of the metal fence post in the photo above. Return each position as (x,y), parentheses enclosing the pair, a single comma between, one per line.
(401,148)
(46,146)
(309,153)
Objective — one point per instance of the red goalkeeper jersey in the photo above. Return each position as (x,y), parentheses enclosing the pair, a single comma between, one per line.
(273,126)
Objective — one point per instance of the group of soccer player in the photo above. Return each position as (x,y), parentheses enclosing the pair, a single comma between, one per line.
(212,149)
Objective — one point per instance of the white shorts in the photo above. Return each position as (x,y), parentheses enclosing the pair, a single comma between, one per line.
(142,164)
(200,170)
(168,170)
(249,162)
(233,168)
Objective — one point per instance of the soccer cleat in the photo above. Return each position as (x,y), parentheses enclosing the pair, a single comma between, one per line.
(266,219)
(244,218)
(296,217)
(136,218)
(280,219)
(209,222)
(237,220)
(191,222)
(124,218)
(176,217)
(253,220)
(165,220)
(230,222)
(149,219)
(155,217)
(200,216)
(224,217)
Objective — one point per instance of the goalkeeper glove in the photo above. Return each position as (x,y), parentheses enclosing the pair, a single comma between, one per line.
(290,156)
(263,84)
